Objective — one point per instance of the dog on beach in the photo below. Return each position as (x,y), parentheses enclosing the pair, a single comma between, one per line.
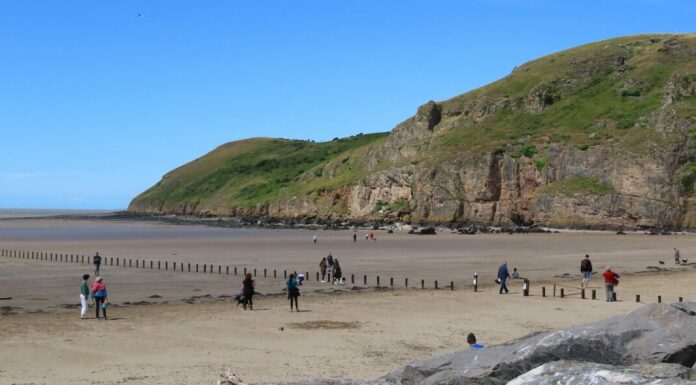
(241,299)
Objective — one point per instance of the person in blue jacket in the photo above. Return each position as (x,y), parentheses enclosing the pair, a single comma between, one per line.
(471,340)
(503,275)
(293,291)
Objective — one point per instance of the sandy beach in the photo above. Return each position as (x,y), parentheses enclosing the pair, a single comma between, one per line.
(172,328)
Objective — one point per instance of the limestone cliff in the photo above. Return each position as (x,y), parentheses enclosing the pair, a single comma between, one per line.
(598,136)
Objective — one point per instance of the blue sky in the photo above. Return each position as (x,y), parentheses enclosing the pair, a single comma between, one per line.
(98,99)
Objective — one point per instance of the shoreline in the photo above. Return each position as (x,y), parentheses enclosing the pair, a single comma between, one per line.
(311,223)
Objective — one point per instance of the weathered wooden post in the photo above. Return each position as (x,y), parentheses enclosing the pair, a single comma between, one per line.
(543,291)
(378,280)
(391,281)
(659,299)
(452,285)
(525,288)
(637,297)
(562,293)
(422,284)
(406,282)
(594,294)
(436,284)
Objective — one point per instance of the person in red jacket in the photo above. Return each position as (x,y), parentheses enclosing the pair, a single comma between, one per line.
(610,280)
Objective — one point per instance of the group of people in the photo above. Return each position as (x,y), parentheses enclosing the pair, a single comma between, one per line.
(248,290)
(611,278)
(331,264)
(97,290)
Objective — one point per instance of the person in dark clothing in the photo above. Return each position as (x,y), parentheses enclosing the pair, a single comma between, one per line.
(503,275)
(97,263)
(586,271)
(293,291)
(248,286)
(355,237)
(337,273)
(322,268)
(330,261)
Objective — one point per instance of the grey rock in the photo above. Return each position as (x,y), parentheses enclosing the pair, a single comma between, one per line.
(581,373)
(652,334)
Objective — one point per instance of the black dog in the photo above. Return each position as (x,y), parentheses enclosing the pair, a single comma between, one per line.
(241,299)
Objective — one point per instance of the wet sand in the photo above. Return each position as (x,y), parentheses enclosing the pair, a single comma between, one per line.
(173,328)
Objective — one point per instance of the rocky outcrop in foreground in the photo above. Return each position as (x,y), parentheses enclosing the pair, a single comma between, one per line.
(655,344)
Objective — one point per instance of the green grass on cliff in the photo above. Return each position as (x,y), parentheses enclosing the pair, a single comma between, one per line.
(578,185)
(249,172)
(591,97)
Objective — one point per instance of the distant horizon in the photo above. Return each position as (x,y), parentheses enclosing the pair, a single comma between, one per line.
(100,100)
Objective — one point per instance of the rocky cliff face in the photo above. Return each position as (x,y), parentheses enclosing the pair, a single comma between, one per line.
(599,136)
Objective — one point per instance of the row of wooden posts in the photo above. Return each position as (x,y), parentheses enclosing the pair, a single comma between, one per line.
(182,267)
(562,294)
(111,261)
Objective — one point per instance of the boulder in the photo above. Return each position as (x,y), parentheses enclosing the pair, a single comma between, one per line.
(573,372)
(652,334)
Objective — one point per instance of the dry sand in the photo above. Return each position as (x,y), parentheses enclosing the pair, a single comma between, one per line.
(188,335)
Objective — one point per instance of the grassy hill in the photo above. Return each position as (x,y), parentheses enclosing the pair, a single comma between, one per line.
(249,172)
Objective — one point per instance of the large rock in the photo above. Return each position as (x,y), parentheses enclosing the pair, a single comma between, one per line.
(652,334)
(581,373)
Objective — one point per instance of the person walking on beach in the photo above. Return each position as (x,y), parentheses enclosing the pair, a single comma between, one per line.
(355,237)
(677,256)
(314,239)
(586,271)
(610,281)
(337,273)
(322,269)
(330,262)
(97,264)
(293,291)
(100,296)
(84,295)
(248,286)
(471,340)
(503,275)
